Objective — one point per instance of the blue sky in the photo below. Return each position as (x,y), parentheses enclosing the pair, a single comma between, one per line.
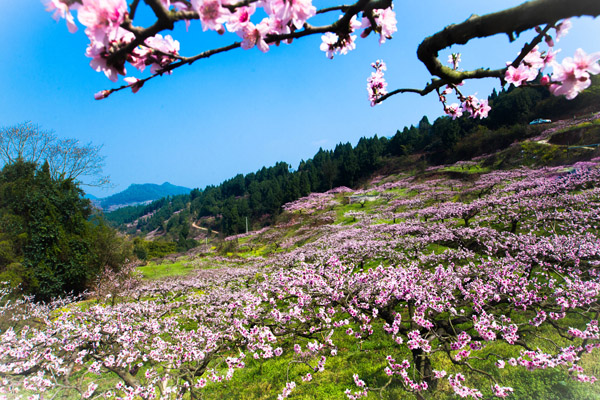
(239,111)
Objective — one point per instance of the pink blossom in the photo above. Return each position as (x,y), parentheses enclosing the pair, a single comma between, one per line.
(289,387)
(100,51)
(439,374)
(386,23)
(101,94)
(254,35)
(133,82)
(502,391)
(517,76)
(562,29)
(569,80)
(140,57)
(212,14)
(475,107)
(61,10)
(470,104)
(295,12)
(346,44)
(240,18)
(166,44)
(101,16)
(90,391)
(329,44)
(534,59)
(586,63)
(358,382)
(550,57)
(163,46)
(277,27)
(334,44)
(453,110)
(483,110)
(376,84)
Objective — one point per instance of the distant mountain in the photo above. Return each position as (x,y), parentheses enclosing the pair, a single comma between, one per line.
(141,194)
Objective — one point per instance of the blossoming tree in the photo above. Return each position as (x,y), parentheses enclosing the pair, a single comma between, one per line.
(116,39)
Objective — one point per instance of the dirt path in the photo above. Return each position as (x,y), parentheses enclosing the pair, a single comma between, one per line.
(203,228)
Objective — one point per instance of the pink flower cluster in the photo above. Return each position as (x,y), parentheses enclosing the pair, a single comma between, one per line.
(461,390)
(103,20)
(502,391)
(385,20)
(402,369)
(376,84)
(471,105)
(333,43)
(362,392)
(573,75)
(385,25)
(530,67)
(568,78)
(287,390)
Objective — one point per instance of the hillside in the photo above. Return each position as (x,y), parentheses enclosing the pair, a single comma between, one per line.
(457,280)
(140,193)
(256,198)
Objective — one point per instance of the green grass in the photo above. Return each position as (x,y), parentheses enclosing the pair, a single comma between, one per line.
(157,271)
(473,169)
(265,379)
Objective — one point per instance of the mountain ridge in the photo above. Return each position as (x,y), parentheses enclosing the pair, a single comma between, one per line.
(139,193)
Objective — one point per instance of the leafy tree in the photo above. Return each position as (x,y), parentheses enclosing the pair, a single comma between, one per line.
(515,107)
(48,243)
(107,248)
(447,130)
(47,230)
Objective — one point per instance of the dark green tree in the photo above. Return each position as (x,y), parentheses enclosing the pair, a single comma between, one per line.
(45,221)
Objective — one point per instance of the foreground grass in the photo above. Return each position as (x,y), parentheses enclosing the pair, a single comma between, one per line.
(265,379)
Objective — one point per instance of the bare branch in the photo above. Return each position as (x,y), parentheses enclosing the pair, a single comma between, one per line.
(67,158)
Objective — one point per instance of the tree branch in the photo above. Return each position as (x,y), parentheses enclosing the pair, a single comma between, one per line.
(513,20)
